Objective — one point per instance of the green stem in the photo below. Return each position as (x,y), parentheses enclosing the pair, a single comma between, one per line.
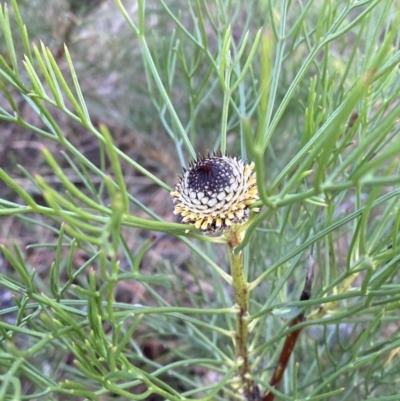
(241,287)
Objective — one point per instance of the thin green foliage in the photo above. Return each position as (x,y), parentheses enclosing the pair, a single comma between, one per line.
(309,92)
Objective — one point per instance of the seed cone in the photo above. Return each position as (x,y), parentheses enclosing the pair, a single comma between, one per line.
(215,193)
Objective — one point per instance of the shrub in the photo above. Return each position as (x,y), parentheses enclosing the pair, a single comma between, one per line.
(105,294)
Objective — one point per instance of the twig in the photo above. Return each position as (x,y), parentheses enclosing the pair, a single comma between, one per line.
(290,341)
(240,286)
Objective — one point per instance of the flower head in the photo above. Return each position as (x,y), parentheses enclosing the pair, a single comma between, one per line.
(215,193)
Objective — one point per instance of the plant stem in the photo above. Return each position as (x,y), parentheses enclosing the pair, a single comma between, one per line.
(290,341)
(241,287)
(284,356)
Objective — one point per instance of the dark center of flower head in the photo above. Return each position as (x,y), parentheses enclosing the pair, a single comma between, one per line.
(210,176)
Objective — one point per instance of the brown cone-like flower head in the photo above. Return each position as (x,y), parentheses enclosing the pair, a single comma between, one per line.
(215,193)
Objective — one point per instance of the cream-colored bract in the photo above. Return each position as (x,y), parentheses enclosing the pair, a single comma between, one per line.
(215,193)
